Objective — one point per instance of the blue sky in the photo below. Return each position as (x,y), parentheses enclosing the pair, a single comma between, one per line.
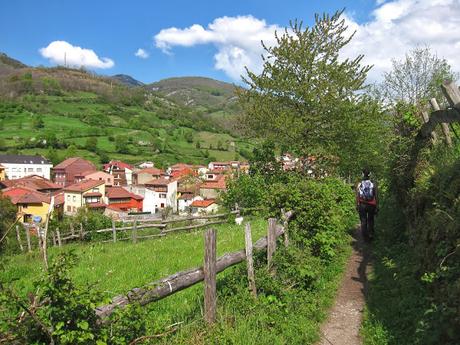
(208,38)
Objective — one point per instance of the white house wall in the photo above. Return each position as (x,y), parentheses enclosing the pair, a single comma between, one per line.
(14,171)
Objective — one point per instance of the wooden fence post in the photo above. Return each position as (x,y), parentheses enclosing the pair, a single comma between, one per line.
(134,232)
(40,239)
(271,240)
(72,230)
(444,126)
(249,259)
(209,269)
(82,234)
(54,239)
(58,237)
(18,236)
(426,118)
(452,93)
(286,233)
(29,248)
(114,231)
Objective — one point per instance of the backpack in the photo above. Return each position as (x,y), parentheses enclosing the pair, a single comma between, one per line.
(366,190)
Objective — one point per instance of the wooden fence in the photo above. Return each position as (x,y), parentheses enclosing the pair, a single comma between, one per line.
(164,226)
(444,117)
(208,272)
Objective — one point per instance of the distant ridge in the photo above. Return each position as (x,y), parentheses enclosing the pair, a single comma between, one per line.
(127,80)
(195,91)
(6,60)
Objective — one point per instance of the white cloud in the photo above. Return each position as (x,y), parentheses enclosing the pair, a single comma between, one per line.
(396,26)
(401,25)
(237,40)
(62,52)
(141,53)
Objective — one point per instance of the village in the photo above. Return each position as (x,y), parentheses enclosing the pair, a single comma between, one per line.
(118,189)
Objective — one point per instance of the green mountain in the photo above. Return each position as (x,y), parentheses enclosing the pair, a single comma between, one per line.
(127,80)
(62,112)
(215,100)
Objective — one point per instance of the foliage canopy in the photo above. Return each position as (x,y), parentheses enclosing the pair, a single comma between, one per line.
(309,99)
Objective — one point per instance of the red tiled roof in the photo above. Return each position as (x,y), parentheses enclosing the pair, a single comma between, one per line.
(181,173)
(121,193)
(34,182)
(70,161)
(203,203)
(217,184)
(83,185)
(21,195)
(92,194)
(159,182)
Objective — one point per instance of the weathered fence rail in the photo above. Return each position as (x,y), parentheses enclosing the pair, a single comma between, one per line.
(164,226)
(179,281)
(438,116)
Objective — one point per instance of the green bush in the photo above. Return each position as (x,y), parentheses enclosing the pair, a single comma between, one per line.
(61,312)
(323,211)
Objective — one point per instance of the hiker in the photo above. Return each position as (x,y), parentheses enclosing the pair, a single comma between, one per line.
(367,204)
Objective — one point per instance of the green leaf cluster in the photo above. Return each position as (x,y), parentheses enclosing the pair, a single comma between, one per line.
(310,99)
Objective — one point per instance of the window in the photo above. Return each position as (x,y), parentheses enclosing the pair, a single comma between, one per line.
(74,198)
(24,206)
(92,199)
(30,169)
(162,205)
(39,169)
(68,197)
(69,208)
(162,196)
(95,190)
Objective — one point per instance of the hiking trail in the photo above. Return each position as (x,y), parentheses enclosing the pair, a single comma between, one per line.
(344,321)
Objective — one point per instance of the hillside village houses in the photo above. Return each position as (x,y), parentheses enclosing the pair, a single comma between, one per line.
(122,172)
(204,206)
(89,193)
(118,190)
(18,166)
(158,194)
(29,203)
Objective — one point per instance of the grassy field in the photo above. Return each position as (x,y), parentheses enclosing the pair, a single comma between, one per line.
(115,268)
(158,133)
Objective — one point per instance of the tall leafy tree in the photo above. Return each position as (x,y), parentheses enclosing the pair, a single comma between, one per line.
(416,78)
(309,98)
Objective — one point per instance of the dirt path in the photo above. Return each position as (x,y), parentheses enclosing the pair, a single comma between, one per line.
(344,321)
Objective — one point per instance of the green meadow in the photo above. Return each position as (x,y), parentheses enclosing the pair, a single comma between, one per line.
(36,124)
